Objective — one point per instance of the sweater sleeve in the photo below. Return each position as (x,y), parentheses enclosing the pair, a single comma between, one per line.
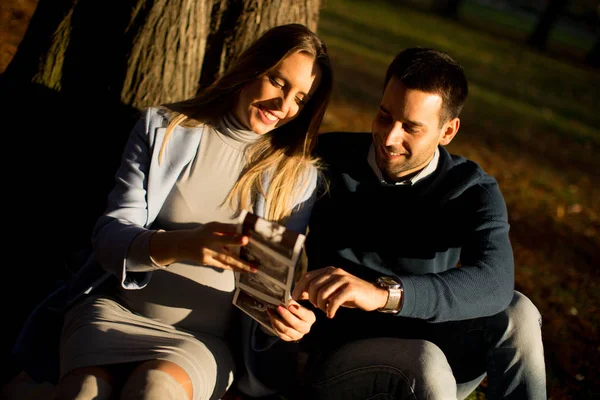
(483,284)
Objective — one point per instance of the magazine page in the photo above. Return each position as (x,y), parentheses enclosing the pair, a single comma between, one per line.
(275,251)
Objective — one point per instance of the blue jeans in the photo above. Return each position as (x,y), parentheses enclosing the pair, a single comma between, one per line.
(374,356)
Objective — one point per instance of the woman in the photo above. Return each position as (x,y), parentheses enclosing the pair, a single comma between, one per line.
(166,328)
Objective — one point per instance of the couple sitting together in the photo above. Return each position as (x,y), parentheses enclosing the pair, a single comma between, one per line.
(409,292)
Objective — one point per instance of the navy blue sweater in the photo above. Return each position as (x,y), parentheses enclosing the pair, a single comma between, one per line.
(445,237)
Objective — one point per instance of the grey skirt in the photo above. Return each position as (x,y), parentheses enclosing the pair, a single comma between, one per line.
(99,331)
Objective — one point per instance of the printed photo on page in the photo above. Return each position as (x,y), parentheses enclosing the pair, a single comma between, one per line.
(275,251)
(255,308)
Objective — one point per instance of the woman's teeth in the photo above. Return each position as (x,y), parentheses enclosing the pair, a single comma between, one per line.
(269,116)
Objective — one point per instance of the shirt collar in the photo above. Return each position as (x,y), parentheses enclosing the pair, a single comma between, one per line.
(425,172)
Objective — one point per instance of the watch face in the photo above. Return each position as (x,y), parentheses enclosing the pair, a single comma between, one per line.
(388,281)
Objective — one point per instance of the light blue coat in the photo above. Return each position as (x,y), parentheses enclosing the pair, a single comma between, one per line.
(141,187)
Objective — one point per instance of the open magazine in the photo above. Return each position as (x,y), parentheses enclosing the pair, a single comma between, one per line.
(275,251)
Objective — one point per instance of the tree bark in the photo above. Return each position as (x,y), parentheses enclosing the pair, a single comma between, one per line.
(141,52)
(237,23)
(541,32)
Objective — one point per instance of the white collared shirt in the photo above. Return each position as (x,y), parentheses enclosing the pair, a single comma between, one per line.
(425,172)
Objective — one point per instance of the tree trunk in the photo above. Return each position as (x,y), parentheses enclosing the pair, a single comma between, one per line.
(541,32)
(237,23)
(141,52)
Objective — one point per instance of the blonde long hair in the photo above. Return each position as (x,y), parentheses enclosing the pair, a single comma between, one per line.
(284,154)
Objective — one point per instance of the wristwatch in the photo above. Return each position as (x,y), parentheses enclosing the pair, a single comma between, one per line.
(394,288)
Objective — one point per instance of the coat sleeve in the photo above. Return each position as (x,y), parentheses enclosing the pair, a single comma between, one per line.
(120,238)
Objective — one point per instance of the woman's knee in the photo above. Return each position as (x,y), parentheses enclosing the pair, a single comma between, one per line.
(85,384)
(158,379)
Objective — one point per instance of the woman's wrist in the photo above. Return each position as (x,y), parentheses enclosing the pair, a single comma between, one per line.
(165,248)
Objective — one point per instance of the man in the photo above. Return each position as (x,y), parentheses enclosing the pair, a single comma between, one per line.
(410,260)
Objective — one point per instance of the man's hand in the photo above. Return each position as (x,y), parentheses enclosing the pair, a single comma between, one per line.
(292,323)
(331,288)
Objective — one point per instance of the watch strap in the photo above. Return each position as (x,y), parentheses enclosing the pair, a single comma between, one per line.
(395,294)
(393,302)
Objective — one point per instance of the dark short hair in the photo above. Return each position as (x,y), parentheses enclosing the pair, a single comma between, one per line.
(431,71)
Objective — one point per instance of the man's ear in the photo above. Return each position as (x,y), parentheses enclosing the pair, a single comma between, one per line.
(449,131)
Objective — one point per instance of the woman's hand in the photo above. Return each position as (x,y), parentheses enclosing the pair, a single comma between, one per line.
(291,323)
(212,244)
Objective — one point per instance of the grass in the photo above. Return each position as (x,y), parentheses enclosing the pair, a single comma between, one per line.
(531,121)
(511,22)
(520,25)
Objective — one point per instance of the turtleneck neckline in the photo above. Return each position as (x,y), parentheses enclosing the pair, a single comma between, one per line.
(234,133)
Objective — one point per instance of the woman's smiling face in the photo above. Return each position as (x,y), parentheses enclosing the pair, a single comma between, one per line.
(277,97)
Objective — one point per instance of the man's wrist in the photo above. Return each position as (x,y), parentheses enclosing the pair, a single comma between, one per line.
(383,295)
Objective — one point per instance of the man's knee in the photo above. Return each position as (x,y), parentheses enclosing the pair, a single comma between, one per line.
(522,310)
(429,357)
(517,360)
(400,367)
(524,319)
(434,374)
(519,324)
(421,360)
